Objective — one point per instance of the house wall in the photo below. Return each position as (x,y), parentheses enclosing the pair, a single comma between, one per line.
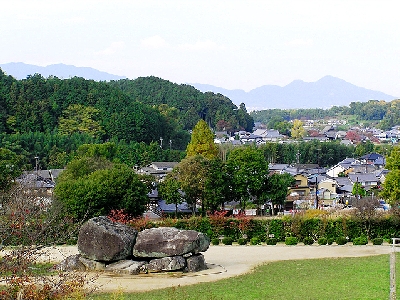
(335,171)
(328,185)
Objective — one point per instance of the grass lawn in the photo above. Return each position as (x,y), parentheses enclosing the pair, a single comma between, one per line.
(332,278)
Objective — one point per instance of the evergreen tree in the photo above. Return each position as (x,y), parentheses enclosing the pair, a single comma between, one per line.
(202,142)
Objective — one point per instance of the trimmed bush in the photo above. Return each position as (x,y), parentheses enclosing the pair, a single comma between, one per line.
(330,241)
(255,241)
(227,240)
(377,241)
(271,241)
(291,240)
(361,240)
(308,240)
(322,241)
(215,242)
(242,241)
(341,240)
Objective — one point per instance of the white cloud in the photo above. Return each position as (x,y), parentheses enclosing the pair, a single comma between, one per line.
(201,46)
(113,48)
(153,42)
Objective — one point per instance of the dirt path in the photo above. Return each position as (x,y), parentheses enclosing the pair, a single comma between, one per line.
(223,262)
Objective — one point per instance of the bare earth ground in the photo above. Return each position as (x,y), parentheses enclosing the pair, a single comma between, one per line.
(223,262)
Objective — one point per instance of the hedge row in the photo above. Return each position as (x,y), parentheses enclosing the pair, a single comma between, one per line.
(301,228)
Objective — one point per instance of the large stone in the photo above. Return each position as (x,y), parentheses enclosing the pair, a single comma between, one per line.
(166,264)
(195,263)
(168,241)
(92,265)
(129,267)
(71,263)
(100,239)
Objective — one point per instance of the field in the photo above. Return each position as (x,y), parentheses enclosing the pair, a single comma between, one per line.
(327,278)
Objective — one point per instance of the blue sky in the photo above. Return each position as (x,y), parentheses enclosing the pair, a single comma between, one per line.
(231,44)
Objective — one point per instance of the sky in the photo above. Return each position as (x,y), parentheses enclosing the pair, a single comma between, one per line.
(230,44)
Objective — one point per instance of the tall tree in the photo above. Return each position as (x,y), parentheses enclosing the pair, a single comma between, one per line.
(202,142)
(191,173)
(169,190)
(391,186)
(277,188)
(10,168)
(248,172)
(216,185)
(298,131)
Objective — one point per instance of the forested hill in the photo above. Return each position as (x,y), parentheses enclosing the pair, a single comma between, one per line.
(141,110)
(216,109)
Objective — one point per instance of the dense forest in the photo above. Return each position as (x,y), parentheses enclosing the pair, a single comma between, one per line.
(52,117)
(385,114)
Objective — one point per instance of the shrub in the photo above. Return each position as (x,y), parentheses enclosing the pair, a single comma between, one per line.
(272,241)
(361,240)
(255,241)
(308,240)
(330,241)
(377,241)
(322,241)
(341,240)
(291,240)
(227,240)
(215,242)
(242,241)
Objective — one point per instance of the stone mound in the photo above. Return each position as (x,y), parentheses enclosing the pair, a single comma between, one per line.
(118,248)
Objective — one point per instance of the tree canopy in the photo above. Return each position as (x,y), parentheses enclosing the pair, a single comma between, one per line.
(94,186)
(391,185)
(202,142)
(248,171)
(11,166)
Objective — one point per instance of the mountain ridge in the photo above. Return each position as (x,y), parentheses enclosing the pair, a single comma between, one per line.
(326,92)
(20,70)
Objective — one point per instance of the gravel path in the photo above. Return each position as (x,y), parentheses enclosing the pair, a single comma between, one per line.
(223,262)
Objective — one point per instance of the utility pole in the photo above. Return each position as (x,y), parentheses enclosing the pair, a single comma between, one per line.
(316,192)
(298,157)
(316,181)
(161,139)
(170,145)
(392,295)
(37,167)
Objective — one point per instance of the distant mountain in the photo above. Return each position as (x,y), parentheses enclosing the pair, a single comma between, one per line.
(21,71)
(324,93)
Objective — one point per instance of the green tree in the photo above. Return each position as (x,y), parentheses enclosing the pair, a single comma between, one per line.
(358,190)
(216,188)
(169,190)
(191,173)
(80,118)
(246,122)
(10,168)
(248,171)
(391,186)
(101,191)
(106,150)
(202,142)
(277,188)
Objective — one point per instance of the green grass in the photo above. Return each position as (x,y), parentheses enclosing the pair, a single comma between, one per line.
(34,269)
(332,278)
